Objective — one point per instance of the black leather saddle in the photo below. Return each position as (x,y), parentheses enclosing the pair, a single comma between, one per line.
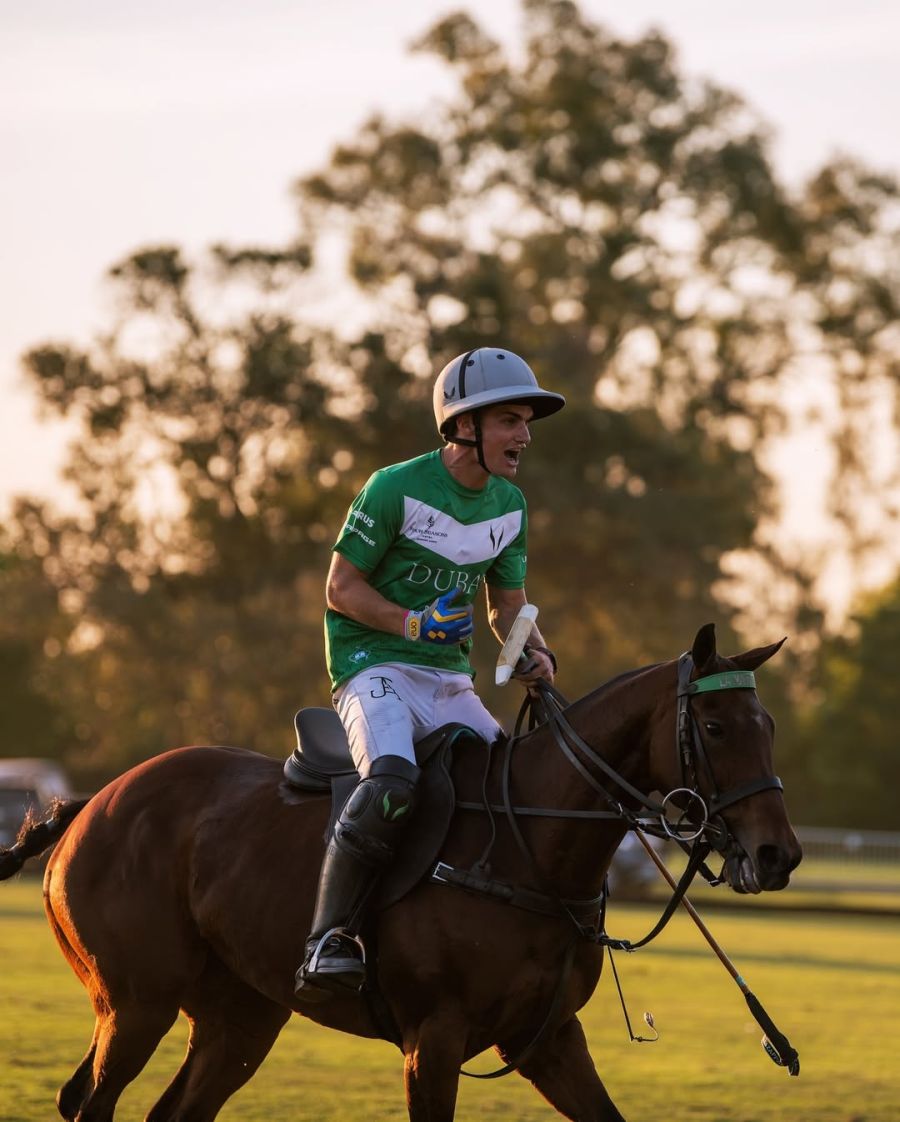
(322,753)
(321,763)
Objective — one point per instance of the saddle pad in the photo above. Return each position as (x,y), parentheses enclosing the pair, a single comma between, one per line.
(321,762)
(425,834)
(427,828)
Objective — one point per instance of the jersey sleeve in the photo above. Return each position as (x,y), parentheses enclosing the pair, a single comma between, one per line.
(373,522)
(508,570)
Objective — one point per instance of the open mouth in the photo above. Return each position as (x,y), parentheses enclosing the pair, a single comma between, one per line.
(511,456)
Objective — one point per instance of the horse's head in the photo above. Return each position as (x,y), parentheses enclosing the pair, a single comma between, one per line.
(723,751)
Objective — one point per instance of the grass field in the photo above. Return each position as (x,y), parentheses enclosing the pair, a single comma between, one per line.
(831,983)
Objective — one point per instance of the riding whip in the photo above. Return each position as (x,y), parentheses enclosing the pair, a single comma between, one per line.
(777,1046)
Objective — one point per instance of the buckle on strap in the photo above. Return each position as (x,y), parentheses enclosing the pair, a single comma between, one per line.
(442,873)
(437,873)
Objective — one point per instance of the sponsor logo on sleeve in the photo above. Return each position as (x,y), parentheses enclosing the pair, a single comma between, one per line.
(355,520)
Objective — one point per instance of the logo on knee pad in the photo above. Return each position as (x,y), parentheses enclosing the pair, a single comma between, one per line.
(392,810)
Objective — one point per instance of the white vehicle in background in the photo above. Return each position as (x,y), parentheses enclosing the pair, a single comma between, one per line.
(28,784)
(632,875)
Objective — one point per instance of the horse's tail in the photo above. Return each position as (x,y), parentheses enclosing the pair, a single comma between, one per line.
(35,837)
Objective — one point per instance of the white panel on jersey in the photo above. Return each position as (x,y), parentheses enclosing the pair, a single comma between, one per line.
(455,541)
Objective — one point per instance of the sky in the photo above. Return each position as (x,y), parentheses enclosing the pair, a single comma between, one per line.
(185,122)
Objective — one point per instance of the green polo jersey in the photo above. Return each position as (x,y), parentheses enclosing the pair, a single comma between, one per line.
(416,533)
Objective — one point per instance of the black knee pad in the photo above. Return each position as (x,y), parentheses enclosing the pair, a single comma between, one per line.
(376,813)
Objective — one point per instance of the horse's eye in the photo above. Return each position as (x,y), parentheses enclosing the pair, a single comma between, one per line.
(714,728)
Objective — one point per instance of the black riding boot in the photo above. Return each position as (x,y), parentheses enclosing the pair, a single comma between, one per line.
(365,839)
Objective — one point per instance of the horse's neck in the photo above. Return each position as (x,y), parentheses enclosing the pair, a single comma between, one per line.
(616,722)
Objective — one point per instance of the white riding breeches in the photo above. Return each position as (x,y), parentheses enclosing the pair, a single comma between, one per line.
(387,709)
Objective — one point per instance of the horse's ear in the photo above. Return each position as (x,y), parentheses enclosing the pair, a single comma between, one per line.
(703,652)
(750,660)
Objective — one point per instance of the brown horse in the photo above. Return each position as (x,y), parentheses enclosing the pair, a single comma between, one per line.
(188,883)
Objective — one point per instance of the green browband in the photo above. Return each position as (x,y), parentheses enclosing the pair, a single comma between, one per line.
(727,680)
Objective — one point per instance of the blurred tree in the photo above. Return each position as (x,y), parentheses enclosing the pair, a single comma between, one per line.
(206,469)
(33,720)
(849,735)
(586,205)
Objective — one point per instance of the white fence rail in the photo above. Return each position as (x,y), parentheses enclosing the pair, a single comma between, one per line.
(850,846)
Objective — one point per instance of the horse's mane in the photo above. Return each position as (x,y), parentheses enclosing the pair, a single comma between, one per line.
(611,684)
(599,692)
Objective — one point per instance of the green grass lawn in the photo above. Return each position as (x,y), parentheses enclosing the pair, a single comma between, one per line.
(831,983)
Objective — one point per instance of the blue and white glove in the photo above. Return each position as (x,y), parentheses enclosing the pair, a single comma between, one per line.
(440,622)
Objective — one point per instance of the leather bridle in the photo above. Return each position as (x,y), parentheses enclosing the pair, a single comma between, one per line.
(549,707)
(694,759)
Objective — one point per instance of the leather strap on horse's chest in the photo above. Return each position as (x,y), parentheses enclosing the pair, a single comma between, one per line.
(585,911)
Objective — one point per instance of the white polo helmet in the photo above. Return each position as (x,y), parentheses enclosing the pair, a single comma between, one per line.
(488,376)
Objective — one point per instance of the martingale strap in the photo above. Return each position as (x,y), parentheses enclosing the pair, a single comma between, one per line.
(697,856)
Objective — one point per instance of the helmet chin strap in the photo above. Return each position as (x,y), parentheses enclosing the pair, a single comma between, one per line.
(477,443)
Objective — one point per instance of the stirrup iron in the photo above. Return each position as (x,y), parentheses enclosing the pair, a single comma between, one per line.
(312,967)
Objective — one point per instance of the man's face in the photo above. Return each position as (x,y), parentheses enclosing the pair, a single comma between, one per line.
(504,436)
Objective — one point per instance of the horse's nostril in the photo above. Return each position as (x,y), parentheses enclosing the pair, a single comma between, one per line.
(772,859)
(776,861)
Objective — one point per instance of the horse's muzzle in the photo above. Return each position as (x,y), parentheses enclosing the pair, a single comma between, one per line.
(769,870)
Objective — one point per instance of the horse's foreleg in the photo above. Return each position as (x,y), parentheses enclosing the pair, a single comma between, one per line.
(434,1054)
(561,1069)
